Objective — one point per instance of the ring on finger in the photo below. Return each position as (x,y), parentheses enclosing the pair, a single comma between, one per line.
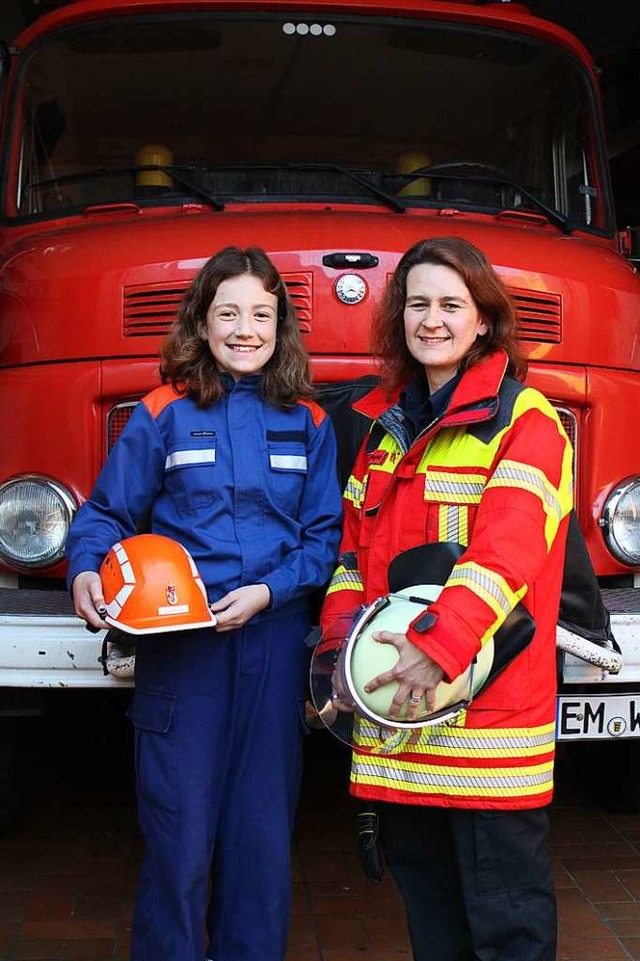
(415,698)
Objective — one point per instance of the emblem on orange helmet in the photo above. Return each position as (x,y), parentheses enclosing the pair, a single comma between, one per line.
(151,584)
(172,594)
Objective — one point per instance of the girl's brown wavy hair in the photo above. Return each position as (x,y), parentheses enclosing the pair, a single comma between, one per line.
(186,360)
(388,342)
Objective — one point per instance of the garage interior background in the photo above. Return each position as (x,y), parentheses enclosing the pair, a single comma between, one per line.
(610,29)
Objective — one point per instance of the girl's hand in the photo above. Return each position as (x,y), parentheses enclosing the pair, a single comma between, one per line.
(237,607)
(416,673)
(88,599)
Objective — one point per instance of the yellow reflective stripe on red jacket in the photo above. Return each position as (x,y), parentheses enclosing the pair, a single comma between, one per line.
(355,491)
(490,587)
(514,475)
(453,523)
(442,485)
(452,740)
(345,580)
(478,761)
(489,783)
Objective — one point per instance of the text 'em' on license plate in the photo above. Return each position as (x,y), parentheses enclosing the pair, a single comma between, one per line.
(593,717)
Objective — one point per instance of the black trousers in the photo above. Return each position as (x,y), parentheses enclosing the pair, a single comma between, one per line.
(477,885)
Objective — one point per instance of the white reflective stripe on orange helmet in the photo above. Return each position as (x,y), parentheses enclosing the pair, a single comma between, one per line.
(195,572)
(118,602)
(128,573)
(129,578)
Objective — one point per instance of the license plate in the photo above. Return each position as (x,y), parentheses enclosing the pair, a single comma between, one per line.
(589,718)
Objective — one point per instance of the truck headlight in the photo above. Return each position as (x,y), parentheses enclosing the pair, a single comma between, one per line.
(35,515)
(621,521)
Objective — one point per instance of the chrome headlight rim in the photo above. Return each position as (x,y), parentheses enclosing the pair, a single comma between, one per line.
(607,521)
(69,507)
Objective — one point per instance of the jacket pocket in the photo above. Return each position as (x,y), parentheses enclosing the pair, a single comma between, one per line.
(152,711)
(287,474)
(152,716)
(190,473)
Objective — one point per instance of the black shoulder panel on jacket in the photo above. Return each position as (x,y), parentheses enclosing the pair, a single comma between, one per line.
(510,390)
(350,427)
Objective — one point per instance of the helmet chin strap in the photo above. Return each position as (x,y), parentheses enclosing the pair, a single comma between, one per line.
(118,654)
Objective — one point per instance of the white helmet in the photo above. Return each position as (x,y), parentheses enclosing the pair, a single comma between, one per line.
(364,658)
(361,658)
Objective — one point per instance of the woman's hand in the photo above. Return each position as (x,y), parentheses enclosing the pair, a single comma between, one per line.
(417,675)
(88,599)
(237,607)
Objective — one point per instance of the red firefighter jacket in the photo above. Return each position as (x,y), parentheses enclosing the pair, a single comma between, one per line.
(493,473)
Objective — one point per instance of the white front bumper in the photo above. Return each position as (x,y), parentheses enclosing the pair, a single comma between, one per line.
(52,652)
(58,652)
(626,630)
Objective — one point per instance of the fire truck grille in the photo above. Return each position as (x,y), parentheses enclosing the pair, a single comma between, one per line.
(117,420)
(570,423)
(539,315)
(150,309)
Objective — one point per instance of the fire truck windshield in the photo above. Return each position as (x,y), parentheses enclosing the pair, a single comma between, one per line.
(279,108)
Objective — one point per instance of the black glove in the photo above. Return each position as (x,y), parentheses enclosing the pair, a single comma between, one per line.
(368,844)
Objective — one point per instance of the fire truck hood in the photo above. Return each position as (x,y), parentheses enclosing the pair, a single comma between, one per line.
(109,284)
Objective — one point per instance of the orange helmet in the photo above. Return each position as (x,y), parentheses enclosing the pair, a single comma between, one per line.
(151,584)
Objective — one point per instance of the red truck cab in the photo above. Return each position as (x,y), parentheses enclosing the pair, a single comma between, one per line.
(140,136)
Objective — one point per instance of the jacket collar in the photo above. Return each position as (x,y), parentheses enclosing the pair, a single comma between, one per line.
(477,391)
(248,382)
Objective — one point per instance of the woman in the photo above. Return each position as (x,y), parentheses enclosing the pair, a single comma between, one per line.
(236,463)
(459,450)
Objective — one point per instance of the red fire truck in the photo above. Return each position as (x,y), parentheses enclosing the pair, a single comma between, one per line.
(140,136)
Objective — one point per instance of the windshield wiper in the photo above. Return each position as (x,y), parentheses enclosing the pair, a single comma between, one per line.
(360,179)
(363,181)
(484,173)
(171,172)
(176,175)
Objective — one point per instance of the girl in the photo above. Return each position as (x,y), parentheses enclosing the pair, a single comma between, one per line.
(235,461)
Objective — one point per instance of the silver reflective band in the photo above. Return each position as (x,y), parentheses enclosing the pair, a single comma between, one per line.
(288,461)
(182,457)
(489,782)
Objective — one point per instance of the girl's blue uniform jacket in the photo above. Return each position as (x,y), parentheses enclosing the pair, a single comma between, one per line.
(251,491)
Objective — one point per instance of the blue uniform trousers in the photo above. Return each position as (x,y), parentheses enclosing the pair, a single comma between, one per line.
(477,885)
(218,725)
